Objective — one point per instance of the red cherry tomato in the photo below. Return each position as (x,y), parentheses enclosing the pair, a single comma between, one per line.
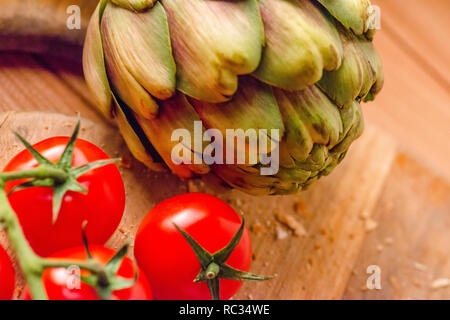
(6,276)
(167,259)
(59,283)
(102,207)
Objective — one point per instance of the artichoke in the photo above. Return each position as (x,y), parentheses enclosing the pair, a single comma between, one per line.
(301,67)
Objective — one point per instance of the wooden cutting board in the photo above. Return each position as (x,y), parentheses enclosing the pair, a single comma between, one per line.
(312,240)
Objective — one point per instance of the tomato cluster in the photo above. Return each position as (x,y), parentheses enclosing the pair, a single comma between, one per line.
(167,243)
(62,285)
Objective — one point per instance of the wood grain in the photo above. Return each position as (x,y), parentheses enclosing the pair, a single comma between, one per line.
(414,104)
(26,85)
(40,26)
(420,29)
(318,265)
(411,244)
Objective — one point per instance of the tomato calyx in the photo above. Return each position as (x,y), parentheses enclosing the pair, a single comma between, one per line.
(60,176)
(214,266)
(105,281)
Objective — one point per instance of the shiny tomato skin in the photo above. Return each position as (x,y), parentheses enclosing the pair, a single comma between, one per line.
(102,207)
(7,277)
(56,279)
(167,259)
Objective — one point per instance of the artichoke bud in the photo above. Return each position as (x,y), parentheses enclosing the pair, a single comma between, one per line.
(94,66)
(138,57)
(252,113)
(214,42)
(196,84)
(352,14)
(301,41)
(173,134)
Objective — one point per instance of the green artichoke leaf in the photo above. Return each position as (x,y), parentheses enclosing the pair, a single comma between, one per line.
(214,42)
(353,125)
(254,108)
(247,179)
(296,143)
(94,65)
(376,64)
(310,118)
(135,5)
(353,14)
(134,137)
(354,79)
(139,56)
(301,41)
(183,153)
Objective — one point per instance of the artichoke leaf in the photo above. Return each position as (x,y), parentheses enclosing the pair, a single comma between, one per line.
(94,65)
(185,155)
(254,111)
(310,118)
(354,79)
(134,140)
(138,57)
(301,41)
(135,5)
(376,64)
(353,14)
(214,42)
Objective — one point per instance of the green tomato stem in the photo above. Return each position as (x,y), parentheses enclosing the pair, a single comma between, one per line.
(212,271)
(90,265)
(41,172)
(29,262)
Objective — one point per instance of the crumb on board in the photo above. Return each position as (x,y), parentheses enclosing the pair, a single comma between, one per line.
(420,267)
(192,186)
(292,223)
(299,206)
(258,228)
(281,233)
(380,248)
(440,283)
(388,241)
(125,162)
(371,225)
(365,214)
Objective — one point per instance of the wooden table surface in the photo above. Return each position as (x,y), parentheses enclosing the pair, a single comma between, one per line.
(410,241)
